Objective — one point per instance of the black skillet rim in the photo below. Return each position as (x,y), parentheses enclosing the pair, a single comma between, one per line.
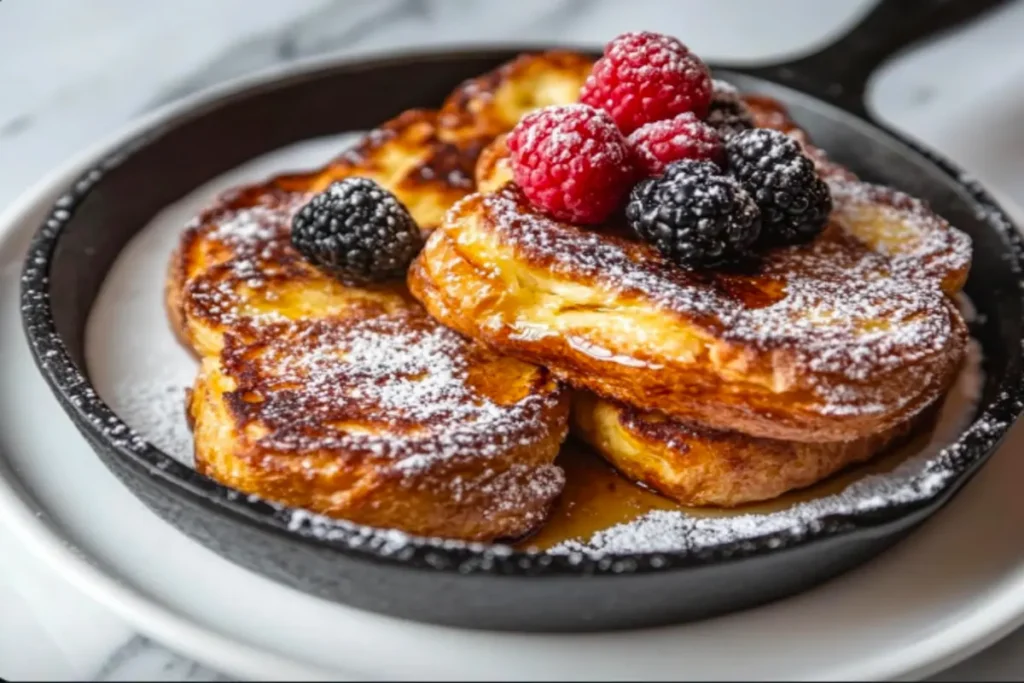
(103,427)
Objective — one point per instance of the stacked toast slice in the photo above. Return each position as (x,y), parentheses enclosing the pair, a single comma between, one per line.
(438,407)
(351,401)
(720,387)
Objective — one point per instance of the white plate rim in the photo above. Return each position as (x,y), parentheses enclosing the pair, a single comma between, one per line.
(26,521)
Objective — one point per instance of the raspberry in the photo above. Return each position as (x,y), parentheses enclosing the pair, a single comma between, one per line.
(728,113)
(695,215)
(795,202)
(571,162)
(658,144)
(357,230)
(647,77)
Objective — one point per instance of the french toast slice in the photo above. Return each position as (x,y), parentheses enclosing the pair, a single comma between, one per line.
(352,401)
(697,466)
(390,420)
(849,336)
(700,467)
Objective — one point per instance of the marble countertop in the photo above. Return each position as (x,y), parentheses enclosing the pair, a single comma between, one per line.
(72,72)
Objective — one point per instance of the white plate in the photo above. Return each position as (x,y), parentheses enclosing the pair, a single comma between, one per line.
(951,589)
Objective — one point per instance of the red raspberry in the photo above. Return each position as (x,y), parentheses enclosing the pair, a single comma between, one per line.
(658,144)
(571,162)
(647,77)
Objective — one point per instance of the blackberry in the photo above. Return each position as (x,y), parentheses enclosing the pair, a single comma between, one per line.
(794,201)
(357,230)
(694,215)
(728,113)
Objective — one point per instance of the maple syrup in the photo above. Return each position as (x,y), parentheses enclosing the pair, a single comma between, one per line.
(597,497)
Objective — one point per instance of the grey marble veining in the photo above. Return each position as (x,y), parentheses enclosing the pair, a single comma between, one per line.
(361,25)
(141,659)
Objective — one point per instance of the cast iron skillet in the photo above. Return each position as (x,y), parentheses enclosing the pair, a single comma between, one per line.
(480,586)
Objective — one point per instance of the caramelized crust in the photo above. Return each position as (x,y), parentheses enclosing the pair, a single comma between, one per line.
(836,340)
(388,420)
(352,401)
(699,467)
(919,242)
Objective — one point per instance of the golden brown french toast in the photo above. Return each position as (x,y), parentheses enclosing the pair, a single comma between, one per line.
(426,158)
(388,420)
(848,336)
(699,467)
(352,401)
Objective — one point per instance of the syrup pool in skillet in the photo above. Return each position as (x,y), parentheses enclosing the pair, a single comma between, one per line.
(597,498)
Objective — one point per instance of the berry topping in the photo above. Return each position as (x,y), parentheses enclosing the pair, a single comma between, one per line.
(647,77)
(795,202)
(695,215)
(571,162)
(728,113)
(357,230)
(658,144)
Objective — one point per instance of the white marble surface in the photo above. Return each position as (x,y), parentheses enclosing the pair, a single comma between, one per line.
(72,72)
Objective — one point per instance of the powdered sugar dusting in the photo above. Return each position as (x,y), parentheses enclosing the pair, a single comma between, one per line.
(400,386)
(388,541)
(384,379)
(410,390)
(156,408)
(728,113)
(919,242)
(917,478)
(839,309)
(257,246)
(921,245)
(247,228)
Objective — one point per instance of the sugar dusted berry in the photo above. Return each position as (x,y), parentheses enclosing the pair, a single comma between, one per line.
(571,162)
(658,144)
(695,215)
(728,113)
(647,77)
(358,231)
(795,202)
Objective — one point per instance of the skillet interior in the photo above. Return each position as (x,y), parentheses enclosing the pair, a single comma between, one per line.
(452,583)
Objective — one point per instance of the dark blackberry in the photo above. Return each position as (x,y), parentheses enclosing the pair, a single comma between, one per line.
(694,215)
(728,113)
(357,230)
(794,201)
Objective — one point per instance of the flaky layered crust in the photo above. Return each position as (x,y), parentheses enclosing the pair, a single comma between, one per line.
(700,467)
(846,337)
(824,343)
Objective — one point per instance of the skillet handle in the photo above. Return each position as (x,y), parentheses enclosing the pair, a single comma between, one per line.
(839,73)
